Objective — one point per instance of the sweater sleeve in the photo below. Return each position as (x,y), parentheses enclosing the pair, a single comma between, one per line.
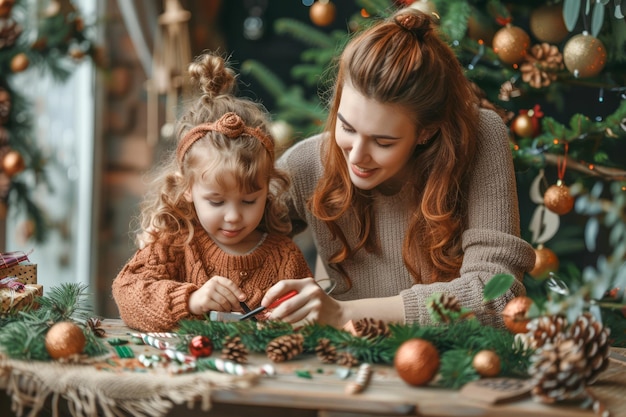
(150,291)
(491,243)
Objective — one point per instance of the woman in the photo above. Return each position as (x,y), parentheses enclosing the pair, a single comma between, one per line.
(409,192)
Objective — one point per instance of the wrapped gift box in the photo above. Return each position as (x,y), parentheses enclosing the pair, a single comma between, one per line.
(25,272)
(12,300)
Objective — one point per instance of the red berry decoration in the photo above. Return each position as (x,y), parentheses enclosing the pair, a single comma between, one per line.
(200,346)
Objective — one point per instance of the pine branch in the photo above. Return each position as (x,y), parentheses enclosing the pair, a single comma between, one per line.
(304,33)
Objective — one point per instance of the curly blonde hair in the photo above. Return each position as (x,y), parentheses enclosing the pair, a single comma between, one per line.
(165,211)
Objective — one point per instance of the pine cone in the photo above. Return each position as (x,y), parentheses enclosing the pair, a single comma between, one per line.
(442,307)
(557,370)
(595,339)
(346,359)
(285,347)
(370,328)
(325,351)
(541,65)
(95,324)
(508,91)
(545,329)
(9,32)
(234,350)
(5,107)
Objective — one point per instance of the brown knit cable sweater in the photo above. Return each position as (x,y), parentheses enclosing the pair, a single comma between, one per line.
(491,242)
(152,290)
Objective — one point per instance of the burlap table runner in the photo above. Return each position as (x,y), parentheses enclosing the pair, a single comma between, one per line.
(89,390)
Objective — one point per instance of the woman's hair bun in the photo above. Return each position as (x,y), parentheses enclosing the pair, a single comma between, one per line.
(414,21)
(212,75)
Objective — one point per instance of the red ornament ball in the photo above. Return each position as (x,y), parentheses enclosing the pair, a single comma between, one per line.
(200,346)
(417,361)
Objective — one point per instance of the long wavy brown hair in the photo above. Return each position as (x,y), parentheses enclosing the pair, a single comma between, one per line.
(165,211)
(404,62)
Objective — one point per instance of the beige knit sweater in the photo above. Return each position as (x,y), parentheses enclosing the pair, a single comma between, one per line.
(152,290)
(491,242)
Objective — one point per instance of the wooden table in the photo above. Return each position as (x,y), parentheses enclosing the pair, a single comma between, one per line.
(323,395)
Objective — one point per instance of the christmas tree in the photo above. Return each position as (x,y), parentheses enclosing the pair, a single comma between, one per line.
(49,36)
(556,73)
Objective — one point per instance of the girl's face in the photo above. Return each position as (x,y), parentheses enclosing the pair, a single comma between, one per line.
(377,139)
(230,216)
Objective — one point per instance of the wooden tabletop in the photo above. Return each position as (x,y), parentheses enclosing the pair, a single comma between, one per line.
(386,394)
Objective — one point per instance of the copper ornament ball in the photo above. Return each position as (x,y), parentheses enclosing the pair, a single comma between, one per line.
(416,361)
(65,339)
(515,314)
(511,44)
(13,163)
(546,261)
(558,199)
(19,62)
(322,12)
(487,363)
(584,55)
(523,127)
(200,346)
(547,23)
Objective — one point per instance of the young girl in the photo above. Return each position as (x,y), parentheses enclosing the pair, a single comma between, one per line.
(213,231)
(409,192)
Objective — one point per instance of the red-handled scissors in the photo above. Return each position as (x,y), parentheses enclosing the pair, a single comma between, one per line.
(274,304)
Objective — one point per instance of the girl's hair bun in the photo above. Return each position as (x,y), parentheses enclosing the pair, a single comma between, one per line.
(413,21)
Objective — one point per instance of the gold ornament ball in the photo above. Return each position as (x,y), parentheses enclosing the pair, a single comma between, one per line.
(65,339)
(546,261)
(558,199)
(487,363)
(547,24)
(522,126)
(416,361)
(515,314)
(19,62)
(511,44)
(282,132)
(13,163)
(322,12)
(584,55)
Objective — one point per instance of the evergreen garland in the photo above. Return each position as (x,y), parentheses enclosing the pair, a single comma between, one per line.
(22,335)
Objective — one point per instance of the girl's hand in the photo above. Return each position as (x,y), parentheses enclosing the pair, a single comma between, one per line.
(311,304)
(217,294)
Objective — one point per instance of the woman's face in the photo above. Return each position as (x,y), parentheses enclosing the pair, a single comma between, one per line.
(377,139)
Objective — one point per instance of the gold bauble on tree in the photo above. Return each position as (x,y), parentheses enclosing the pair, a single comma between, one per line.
(322,12)
(558,199)
(416,361)
(65,339)
(515,314)
(547,24)
(19,62)
(511,44)
(523,127)
(546,261)
(424,6)
(13,163)
(584,55)
(487,363)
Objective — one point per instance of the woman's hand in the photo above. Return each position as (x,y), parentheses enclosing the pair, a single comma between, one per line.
(217,294)
(311,304)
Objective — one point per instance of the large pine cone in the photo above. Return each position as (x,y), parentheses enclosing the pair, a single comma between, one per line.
(285,347)
(545,329)
(558,370)
(325,351)
(542,65)
(595,339)
(370,328)
(234,350)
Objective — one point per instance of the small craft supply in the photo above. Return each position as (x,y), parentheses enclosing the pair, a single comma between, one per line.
(124,351)
(227,367)
(178,356)
(274,304)
(151,341)
(363,377)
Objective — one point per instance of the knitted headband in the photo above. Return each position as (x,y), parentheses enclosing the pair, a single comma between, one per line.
(231,125)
